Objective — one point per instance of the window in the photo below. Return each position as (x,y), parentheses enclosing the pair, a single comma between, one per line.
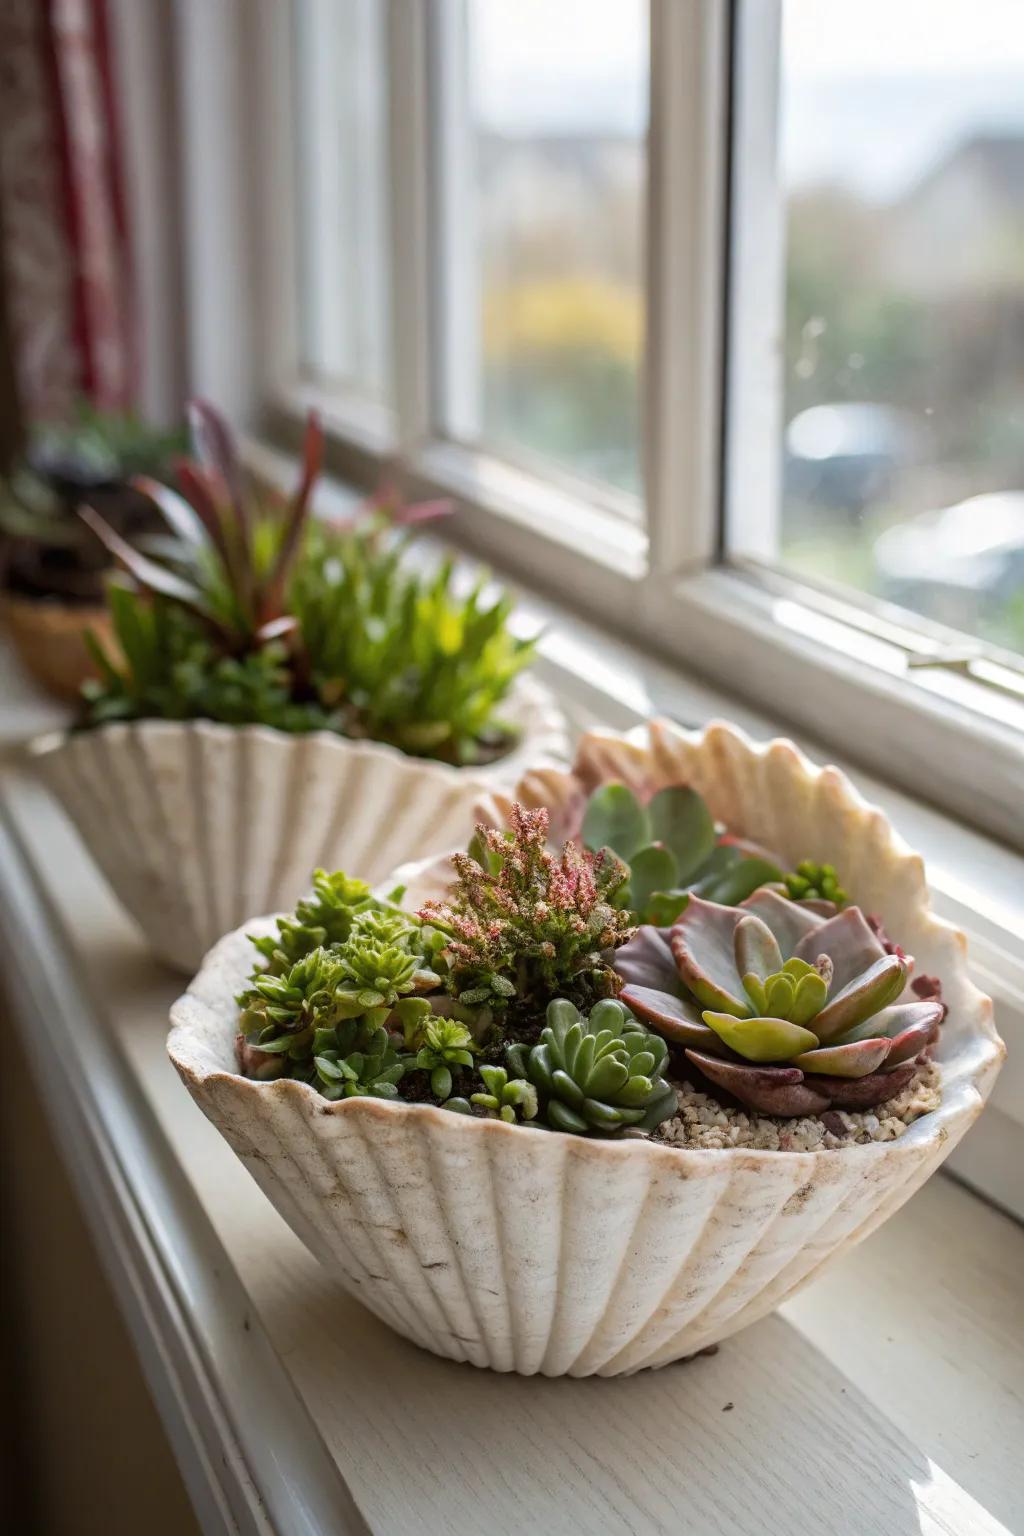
(544,117)
(341,181)
(710,316)
(900,433)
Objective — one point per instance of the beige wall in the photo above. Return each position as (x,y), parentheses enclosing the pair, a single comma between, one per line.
(82,1450)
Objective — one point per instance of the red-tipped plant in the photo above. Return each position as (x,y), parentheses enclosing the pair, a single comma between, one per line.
(238,547)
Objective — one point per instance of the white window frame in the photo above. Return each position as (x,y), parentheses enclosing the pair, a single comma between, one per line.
(874,689)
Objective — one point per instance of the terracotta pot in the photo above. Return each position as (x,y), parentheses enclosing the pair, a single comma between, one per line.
(198,825)
(49,638)
(539,1252)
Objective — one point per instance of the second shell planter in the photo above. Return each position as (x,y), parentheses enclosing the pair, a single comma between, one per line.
(197,825)
(267,675)
(604,1251)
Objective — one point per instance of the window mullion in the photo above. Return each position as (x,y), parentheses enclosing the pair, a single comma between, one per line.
(685,261)
(757,288)
(412,233)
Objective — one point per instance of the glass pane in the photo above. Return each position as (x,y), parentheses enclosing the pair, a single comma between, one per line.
(544,159)
(902,150)
(342,242)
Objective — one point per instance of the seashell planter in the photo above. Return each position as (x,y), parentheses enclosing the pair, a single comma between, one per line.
(529,1251)
(197,825)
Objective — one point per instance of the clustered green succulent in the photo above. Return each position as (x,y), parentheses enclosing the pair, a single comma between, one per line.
(501,1098)
(46,550)
(529,996)
(256,614)
(671,847)
(400,654)
(466,1003)
(815,882)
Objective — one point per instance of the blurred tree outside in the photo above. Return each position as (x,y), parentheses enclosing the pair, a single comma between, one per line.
(917,306)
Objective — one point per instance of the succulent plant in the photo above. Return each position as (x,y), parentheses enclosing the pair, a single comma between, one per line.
(401,656)
(237,549)
(505,1098)
(321,919)
(596,1074)
(280,1013)
(671,847)
(384,959)
(788,1009)
(355,1058)
(532,924)
(815,882)
(47,550)
(257,614)
(173,672)
(447,1047)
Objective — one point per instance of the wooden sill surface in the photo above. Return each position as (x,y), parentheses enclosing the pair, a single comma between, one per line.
(889,1396)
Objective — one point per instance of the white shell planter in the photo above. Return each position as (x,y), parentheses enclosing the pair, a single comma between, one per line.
(538,1252)
(197,825)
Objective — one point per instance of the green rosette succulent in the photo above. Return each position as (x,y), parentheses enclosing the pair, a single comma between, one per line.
(384,959)
(447,1048)
(789,1009)
(356,1058)
(323,918)
(280,1013)
(596,1074)
(310,1025)
(325,1016)
(506,1098)
(671,847)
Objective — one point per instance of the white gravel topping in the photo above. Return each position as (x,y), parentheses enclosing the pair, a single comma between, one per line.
(703,1122)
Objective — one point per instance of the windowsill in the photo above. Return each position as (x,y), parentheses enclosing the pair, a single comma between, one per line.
(284,1399)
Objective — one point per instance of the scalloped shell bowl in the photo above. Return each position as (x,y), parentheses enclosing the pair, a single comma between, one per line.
(538,1252)
(196,826)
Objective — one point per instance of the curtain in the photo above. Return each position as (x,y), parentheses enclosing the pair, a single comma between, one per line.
(63,232)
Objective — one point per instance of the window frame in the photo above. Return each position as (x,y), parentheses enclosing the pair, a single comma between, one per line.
(669,585)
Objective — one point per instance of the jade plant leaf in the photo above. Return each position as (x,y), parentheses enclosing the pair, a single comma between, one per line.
(615,819)
(682,822)
(702,943)
(665,906)
(864,996)
(847,940)
(652,870)
(647,961)
(770,1090)
(861,1092)
(740,880)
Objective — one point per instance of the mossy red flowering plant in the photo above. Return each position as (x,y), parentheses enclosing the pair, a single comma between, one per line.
(522,923)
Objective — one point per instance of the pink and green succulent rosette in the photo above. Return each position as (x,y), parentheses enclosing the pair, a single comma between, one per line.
(791,1007)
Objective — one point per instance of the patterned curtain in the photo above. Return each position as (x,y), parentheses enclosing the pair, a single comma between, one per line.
(64,271)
